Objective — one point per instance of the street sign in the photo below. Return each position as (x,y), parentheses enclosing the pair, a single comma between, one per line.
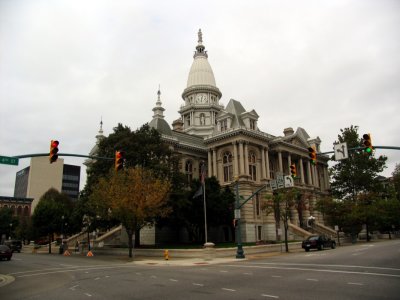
(289,182)
(273,184)
(237,213)
(280,181)
(5,160)
(341,151)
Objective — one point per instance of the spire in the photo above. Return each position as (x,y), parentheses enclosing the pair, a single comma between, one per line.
(100,135)
(200,47)
(158,109)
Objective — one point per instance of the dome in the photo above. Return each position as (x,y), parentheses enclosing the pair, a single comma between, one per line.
(201,73)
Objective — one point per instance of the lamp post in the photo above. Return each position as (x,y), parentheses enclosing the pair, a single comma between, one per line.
(9,235)
(239,252)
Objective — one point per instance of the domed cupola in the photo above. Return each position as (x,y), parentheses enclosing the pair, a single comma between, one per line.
(201,95)
(201,75)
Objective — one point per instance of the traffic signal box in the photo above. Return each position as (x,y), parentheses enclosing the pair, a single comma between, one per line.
(119,160)
(313,155)
(367,143)
(293,170)
(53,151)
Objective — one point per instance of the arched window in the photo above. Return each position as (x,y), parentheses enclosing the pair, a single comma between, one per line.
(19,211)
(252,166)
(228,167)
(189,171)
(26,211)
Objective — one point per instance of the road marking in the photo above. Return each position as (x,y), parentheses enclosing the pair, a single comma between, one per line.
(107,276)
(247,273)
(269,296)
(312,279)
(87,294)
(198,284)
(174,280)
(314,270)
(138,273)
(97,278)
(355,283)
(223,271)
(229,290)
(74,287)
(276,276)
(153,276)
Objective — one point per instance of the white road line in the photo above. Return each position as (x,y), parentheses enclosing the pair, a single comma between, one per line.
(107,276)
(223,271)
(174,280)
(153,276)
(269,296)
(97,278)
(87,294)
(198,284)
(247,273)
(74,287)
(229,290)
(355,283)
(276,276)
(312,279)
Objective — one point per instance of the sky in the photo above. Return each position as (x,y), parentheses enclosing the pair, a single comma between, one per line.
(65,65)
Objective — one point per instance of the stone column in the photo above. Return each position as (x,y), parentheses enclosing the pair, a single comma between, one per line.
(280,162)
(289,160)
(267,161)
(262,150)
(241,161)
(210,168)
(246,158)
(215,173)
(236,160)
(309,180)
(301,171)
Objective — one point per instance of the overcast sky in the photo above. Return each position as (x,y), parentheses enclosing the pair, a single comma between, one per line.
(319,65)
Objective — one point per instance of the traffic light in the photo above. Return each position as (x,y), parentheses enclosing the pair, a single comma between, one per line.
(53,151)
(119,160)
(313,155)
(367,143)
(293,170)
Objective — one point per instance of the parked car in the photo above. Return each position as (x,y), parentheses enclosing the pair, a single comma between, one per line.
(318,242)
(14,245)
(5,252)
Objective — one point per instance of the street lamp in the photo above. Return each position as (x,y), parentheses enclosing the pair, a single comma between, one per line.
(240,252)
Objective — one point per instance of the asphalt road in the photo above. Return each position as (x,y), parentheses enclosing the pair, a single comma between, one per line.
(360,271)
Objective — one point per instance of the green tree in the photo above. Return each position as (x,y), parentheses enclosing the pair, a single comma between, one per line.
(355,178)
(8,222)
(52,211)
(143,148)
(396,180)
(135,197)
(279,203)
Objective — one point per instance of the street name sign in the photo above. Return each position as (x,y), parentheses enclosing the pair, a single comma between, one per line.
(341,151)
(6,160)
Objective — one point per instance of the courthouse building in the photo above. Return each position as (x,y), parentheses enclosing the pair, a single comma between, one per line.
(232,146)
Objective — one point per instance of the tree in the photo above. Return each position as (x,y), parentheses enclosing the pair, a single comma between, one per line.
(396,180)
(355,178)
(279,204)
(143,148)
(50,213)
(8,222)
(135,196)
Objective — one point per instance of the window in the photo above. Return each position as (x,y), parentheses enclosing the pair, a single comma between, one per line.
(253,124)
(228,167)
(189,171)
(224,125)
(252,166)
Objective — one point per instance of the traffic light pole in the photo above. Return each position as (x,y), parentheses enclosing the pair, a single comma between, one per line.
(361,148)
(62,154)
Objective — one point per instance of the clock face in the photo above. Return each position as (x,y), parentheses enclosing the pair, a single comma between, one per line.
(201,98)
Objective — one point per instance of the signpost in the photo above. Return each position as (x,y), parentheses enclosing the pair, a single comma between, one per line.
(6,160)
(341,151)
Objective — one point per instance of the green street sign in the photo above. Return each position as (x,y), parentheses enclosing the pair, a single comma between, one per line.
(5,160)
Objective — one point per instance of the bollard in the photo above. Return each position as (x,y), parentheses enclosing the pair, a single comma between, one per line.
(166,254)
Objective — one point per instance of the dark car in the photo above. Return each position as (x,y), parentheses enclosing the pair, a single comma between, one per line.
(318,242)
(5,252)
(14,245)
